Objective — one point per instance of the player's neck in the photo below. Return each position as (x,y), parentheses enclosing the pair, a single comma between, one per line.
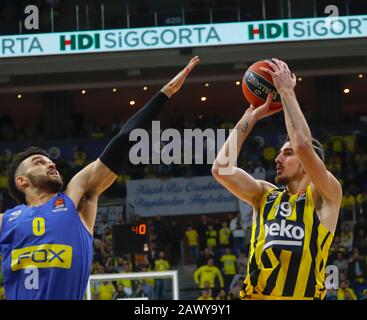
(35,198)
(298,186)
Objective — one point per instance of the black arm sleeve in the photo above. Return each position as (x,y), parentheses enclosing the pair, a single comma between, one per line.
(117,150)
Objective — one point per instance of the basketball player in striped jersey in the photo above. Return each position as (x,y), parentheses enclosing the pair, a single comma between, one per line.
(293,226)
(46,241)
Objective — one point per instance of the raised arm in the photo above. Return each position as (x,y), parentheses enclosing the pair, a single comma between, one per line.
(300,135)
(225,169)
(91,181)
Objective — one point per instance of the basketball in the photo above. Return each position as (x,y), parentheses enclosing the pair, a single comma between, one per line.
(257,84)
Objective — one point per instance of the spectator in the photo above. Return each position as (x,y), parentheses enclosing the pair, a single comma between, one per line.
(360,286)
(80,157)
(206,254)
(120,292)
(237,226)
(360,225)
(100,253)
(119,265)
(224,236)
(211,237)
(205,295)
(175,233)
(110,265)
(336,247)
(161,264)
(357,268)
(106,290)
(107,238)
(363,295)
(348,206)
(103,224)
(127,283)
(202,229)
(242,261)
(192,238)
(360,241)
(341,263)
(229,267)
(222,295)
(153,254)
(347,237)
(331,294)
(148,283)
(162,233)
(345,292)
(208,272)
(238,276)
(235,291)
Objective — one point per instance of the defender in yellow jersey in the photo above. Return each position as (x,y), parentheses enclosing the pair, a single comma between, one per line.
(293,226)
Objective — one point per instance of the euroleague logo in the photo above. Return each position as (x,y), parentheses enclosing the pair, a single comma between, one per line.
(59,205)
(284,233)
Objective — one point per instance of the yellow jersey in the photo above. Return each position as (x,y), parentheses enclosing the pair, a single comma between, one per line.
(289,249)
(224,236)
(229,264)
(161,265)
(192,237)
(106,291)
(208,273)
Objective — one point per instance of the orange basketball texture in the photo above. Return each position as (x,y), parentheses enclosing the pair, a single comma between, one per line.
(257,84)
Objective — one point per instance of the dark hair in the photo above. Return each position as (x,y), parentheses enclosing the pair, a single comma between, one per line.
(317,146)
(13,166)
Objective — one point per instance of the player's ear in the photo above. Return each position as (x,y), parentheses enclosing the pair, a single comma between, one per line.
(21,182)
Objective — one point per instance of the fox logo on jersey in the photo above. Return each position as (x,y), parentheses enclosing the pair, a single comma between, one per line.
(284,233)
(42,256)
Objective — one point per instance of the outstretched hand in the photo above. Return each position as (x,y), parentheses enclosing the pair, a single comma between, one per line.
(176,83)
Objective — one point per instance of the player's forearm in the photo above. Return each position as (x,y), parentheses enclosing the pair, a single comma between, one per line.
(146,114)
(116,152)
(228,154)
(297,127)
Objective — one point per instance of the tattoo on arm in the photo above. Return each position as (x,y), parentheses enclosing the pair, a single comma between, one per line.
(286,108)
(245,127)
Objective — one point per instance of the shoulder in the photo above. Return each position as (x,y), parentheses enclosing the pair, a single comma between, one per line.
(337,193)
(266,188)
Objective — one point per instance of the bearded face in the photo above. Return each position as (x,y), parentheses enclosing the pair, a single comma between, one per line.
(39,172)
(52,184)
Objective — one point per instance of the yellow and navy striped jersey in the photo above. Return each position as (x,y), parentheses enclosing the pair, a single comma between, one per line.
(289,249)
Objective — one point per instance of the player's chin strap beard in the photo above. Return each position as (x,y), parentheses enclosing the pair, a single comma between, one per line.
(43,183)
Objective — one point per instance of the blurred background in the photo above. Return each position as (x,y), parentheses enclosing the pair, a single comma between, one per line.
(72,105)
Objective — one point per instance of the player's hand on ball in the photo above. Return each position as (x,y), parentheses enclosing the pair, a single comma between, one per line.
(264,110)
(283,78)
(175,84)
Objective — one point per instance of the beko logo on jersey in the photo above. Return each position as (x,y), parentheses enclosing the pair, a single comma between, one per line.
(284,233)
(42,256)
